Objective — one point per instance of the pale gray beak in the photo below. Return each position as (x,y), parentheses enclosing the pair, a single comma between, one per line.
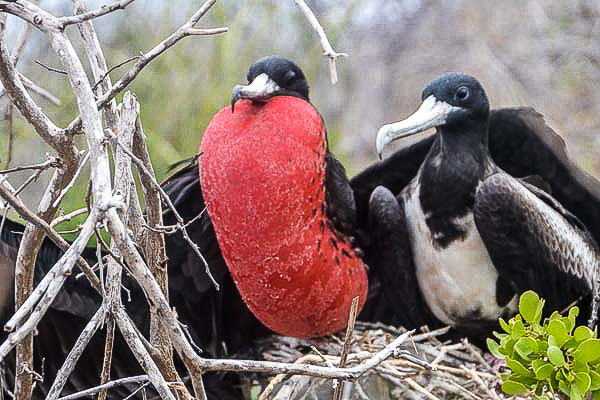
(430,114)
(261,88)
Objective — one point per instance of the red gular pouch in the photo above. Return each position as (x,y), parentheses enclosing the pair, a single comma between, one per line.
(262,171)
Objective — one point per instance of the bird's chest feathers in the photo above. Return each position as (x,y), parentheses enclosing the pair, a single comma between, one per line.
(458,280)
(263,177)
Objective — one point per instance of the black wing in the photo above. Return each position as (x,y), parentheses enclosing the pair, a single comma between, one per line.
(535,243)
(219,321)
(522,144)
(392,265)
(394,173)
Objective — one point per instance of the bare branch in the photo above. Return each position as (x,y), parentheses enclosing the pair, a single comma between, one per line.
(29,84)
(119,65)
(105,9)
(50,286)
(29,216)
(21,98)
(69,365)
(68,217)
(144,60)
(337,393)
(49,68)
(106,386)
(204,32)
(141,353)
(327,48)
(50,162)
(72,182)
(20,43)
(167,200)
(11,135)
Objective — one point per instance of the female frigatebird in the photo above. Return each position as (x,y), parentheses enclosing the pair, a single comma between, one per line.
(463,239)
(281,218)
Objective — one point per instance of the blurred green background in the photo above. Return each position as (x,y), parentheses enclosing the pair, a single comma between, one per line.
(544,54)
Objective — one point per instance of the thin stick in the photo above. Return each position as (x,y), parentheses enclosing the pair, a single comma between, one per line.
(167,200)
(72,182)
(105,9)
(103,77)
(50,162)
(40,91)
(328,50)
(107,361)
(11,135)
(337,393)
(80,345)
(75,126)
(106,386)
(51,69)
(68,217)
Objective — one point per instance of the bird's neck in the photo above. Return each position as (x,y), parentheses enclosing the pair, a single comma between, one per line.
(450,174)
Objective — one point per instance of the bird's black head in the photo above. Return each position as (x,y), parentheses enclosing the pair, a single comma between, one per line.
(451,100)
(271,76)
(463,93)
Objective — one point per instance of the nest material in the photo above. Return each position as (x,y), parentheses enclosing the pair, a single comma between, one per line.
(422,368)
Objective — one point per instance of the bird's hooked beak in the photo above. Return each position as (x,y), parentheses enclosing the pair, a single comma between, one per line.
(430,114)
(261,89)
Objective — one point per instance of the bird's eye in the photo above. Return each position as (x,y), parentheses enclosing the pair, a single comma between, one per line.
(289,77)
(462,93)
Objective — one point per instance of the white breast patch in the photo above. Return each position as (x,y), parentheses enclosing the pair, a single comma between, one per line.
(459,281)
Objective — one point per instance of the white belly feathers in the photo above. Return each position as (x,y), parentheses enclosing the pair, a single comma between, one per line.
(458,282)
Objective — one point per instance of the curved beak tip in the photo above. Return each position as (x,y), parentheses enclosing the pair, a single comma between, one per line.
(235,96)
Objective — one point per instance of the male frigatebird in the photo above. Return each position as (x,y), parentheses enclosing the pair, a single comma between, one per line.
(464,238)
(281,218)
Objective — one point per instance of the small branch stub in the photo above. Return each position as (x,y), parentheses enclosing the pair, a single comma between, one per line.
(328,50)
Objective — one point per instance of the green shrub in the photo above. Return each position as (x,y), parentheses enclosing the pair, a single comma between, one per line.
(550,357)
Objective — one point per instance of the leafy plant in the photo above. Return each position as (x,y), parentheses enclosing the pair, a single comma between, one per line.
(550,357)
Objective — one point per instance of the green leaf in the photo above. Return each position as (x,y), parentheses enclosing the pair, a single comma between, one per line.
(573,313)
(579,366)
(596,394)
(495,349)
(583,382)
(517,367)
(512,387)
(528,306)
(595,385)
(582,333)
(557,329)
(556,356)
(499,336)
(544,371)
(504,325)
(518,329)
(574,393)
(588,351)
(525,346)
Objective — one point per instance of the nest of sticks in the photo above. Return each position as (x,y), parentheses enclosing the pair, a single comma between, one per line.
(423,367)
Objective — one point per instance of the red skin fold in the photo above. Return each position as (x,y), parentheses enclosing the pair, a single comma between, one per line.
(262,170)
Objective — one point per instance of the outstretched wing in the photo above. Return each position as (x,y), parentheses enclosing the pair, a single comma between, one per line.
(522,144)
(534,242)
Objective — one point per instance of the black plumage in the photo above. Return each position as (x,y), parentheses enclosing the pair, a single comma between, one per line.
(457,201)
(219,322)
